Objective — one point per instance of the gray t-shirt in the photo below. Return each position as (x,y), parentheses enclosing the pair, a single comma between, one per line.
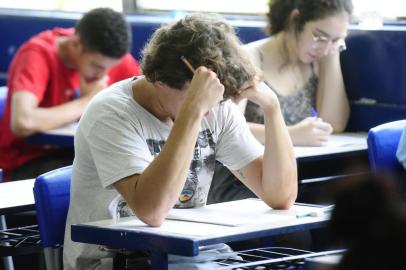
(117,137)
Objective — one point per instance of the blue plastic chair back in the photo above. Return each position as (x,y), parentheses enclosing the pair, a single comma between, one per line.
(51,194)
(383,142)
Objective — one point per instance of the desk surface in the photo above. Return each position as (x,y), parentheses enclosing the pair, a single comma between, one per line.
(185,237)
(338,144)
(16,196)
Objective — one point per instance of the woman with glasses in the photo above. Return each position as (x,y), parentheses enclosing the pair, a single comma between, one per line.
(300,62)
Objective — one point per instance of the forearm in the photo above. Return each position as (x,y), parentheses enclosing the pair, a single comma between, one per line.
(332,101)
(294,134)
(29,121)
(279,171)
(159,186)
(258,130)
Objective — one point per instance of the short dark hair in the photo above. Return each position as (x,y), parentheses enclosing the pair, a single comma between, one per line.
(105,31)
(204,40)
(310,10)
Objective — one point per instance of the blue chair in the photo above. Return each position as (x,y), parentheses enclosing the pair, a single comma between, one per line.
(51,194)
(382,143)
(3,98)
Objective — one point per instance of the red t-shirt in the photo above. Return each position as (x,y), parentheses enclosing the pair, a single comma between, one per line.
(38,69)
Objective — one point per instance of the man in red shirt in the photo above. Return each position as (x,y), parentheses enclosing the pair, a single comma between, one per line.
(43,83)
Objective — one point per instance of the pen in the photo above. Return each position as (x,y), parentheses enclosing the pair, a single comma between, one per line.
(316,213)
(313,112)
(187,63)
(304,214)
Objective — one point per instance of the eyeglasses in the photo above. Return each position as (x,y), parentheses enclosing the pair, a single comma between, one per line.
(321,42)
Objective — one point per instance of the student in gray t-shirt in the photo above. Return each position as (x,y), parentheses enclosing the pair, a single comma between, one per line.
(150,143)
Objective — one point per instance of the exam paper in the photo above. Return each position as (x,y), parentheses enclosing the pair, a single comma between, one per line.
(235,213)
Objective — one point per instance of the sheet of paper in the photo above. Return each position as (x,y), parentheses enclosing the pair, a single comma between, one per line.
(235,213)
(67,130)
(337,143)
(337,140)
(217,219)
(175,227)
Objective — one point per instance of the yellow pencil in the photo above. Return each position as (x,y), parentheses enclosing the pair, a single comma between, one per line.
(187,64)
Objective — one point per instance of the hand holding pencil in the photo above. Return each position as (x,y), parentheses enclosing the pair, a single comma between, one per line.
(205,90)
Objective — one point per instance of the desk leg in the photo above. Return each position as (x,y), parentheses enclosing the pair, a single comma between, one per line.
(159,261)
(7,261)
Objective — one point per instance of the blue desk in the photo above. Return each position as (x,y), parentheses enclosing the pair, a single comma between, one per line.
(182,237)
(346,153)
(63,136)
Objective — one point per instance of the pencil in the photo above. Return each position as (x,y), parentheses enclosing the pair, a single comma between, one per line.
(187,63)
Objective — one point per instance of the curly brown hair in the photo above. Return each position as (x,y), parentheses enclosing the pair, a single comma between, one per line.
(204,40)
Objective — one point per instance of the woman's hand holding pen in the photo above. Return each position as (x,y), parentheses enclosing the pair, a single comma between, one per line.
(311,131)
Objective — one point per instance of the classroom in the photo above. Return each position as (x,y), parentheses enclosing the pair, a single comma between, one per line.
(265,134)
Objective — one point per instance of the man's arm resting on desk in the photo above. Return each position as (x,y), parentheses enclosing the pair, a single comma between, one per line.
(27,118)
(150,195)
(272,177)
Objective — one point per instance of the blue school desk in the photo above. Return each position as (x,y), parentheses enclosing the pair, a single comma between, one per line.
(184,238)
(63,136)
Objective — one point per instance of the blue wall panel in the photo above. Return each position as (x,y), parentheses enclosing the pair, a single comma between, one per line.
(374,71)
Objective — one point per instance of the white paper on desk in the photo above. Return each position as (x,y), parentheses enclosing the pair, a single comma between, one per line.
(341,140)
(235,213)
(175,227)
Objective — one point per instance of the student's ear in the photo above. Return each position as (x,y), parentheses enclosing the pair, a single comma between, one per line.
(293,16)
(160,85)
(76,43)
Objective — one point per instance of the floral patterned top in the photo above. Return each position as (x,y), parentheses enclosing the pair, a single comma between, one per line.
(294,107)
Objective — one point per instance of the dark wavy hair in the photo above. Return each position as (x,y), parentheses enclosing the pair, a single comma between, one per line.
(310,10)
(105,31)
(204,40)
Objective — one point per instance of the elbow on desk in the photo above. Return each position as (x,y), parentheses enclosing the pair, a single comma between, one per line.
(283,200)
(339,128)
(340,125)
(22,127)
(152,221)
(282,204)
(153,218)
